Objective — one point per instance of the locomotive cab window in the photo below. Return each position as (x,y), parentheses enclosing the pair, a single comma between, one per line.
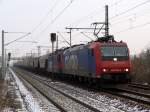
(107,51)
(121,51)
(110,52)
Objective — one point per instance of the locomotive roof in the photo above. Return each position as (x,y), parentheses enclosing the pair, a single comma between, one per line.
(103,41)
(75,47)
(114,43)
(93,44)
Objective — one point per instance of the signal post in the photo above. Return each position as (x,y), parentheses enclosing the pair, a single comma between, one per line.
(53,39)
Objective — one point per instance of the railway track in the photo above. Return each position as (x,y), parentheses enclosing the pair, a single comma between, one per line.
(87,105)
(140,86)
(69,96)
(126,93)
(134,95)
(139,97)
(48,98)
(79,92)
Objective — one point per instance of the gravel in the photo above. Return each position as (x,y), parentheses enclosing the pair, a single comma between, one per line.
(102,101)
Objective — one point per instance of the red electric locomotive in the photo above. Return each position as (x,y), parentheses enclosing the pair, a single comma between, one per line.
(112,59)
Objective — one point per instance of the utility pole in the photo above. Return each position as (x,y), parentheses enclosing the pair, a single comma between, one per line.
(39,50)
(3,70)
(57,42)
(3,63)
(70,37)
(70,31)
(106,22)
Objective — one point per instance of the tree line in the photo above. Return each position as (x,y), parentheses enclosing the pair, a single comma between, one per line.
(141,67)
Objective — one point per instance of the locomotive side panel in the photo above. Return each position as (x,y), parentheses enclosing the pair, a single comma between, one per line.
(70,63)
(83,64)
(79,61)
(92,62)
(49,68)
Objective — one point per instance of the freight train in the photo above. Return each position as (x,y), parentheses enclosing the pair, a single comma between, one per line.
(103,59)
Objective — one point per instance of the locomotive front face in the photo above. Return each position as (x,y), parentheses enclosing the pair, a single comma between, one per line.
(113,60)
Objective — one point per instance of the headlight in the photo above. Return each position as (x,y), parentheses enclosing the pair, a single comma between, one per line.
(104,70)
(126,69)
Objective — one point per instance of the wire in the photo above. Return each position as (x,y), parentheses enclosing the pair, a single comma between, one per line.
(16,32)
(119,1)
(135,16)
(84,17)
(134,27)
(128,10)
(91,13)
(45,17)
(56,17)
(27,41)
(17,39)
(86,35)
(63,38)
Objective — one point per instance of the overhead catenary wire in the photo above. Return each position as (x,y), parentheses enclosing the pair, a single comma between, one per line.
(27,41)
(45,17)
(59,14)
(57,18)
(18,39)
(128,10)
(63,38)
(134,27)
(86,36)
(133,16)
(16,32)
(122,13)
(85,17)
(131,9)
(91,13)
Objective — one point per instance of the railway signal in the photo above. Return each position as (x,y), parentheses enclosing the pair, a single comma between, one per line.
(53,39)
(9,56)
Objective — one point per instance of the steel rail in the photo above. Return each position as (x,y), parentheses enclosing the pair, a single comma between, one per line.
(41,92)
(69,96)
(133,92)
(138,85)
(65,94)
(132,95)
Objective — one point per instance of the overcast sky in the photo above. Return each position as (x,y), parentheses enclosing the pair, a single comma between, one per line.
(129,21)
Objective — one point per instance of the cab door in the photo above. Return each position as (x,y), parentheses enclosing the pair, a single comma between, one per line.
(91,62)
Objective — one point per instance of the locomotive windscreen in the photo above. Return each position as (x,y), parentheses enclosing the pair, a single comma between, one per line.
(111,52)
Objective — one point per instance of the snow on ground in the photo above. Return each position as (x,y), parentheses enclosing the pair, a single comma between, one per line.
(10,98)
(35,102)
(125,105)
